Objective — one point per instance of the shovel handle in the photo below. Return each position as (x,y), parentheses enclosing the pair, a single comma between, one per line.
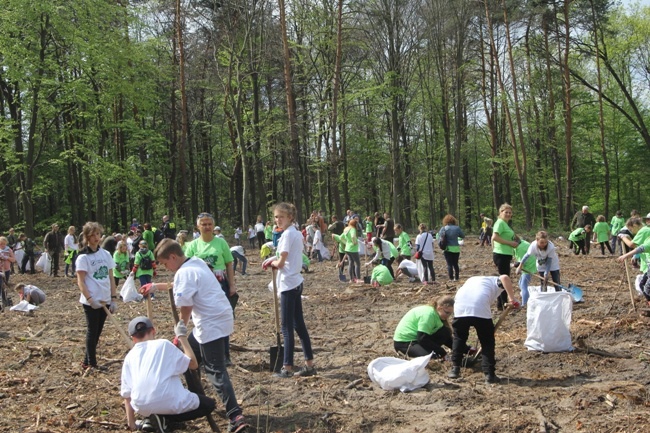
(553,283)
(112,318)
(276,305)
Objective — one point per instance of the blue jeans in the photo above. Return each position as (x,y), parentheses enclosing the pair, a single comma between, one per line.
(236,257)
(524,281)
(144,279)
(293,319)
(213,357)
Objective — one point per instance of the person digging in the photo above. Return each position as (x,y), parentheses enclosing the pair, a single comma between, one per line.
(151,384)
(472,309)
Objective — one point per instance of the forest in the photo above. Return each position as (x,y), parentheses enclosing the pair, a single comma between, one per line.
(118,109)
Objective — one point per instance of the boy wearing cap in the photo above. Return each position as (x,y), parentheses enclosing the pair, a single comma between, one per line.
(151,384)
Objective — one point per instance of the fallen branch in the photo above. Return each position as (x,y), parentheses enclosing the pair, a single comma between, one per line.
(353,384)
(104,423)
(582,347)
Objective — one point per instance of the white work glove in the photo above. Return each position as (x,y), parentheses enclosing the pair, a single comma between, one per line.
(94,303)
(180,329)
(112,307)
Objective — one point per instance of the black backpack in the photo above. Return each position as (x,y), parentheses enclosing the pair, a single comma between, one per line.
(442,239)
(158,236)
(145,262)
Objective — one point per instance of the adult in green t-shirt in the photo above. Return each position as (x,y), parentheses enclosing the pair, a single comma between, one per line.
(349,237)
(617,223)
(504,242)
(425,329)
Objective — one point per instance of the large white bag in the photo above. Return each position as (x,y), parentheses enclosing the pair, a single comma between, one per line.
(129,292)
(394,373)
(548,319)
(45,263)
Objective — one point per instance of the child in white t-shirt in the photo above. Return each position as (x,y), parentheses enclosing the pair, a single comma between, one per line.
(290,285)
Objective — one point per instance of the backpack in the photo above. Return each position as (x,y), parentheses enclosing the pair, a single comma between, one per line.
(158,236)
(442,240)
(29,245)
(145,262)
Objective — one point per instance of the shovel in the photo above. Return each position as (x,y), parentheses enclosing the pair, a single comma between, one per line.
(276,352)
(575,291)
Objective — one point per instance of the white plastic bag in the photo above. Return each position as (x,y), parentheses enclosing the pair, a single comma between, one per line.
(637,284)
(129,292)
(394,373)
(45,263)
(23,306)
(548,319)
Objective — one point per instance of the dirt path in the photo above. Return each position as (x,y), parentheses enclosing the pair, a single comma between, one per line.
(43,389)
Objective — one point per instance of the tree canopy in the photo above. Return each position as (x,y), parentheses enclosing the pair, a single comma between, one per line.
(115,110)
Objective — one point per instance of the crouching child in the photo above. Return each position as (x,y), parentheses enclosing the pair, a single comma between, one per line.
(151,384)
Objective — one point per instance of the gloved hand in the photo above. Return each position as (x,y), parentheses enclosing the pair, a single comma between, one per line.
(155,273)
(622,235)
(94,303)
(147,289)
(267,263)
(516,305)
(112,307)
(180,330)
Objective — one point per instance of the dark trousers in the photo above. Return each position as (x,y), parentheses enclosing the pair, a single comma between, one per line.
(484,330)
(427,344)
(28,257)
(342,267)
(428,269)
(94,325)
(555,277)
(502,263)
(579,247)
(236,257)
(294,320)
(261,239)
(452,264)
(54,269)
(389,264)
(206,406)
(605,244)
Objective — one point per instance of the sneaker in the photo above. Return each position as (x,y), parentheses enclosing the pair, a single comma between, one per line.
(144,425)
(492,378)
(159,423)
(284,373)
(454,373)
(306,371)
(238,424)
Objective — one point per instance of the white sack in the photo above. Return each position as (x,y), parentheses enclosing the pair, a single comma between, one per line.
(45,263)
(23,306)
(548,321)
(637,284)
(128,291)
(394,373)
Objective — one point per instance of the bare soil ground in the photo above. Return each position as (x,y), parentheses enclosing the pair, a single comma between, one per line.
(43,389)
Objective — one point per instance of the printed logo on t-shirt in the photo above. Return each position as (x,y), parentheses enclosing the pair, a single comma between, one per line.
(101,273)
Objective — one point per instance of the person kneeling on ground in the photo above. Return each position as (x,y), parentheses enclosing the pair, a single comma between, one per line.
(31,294)
(381,276)
(425,329)
(408,268)
(151,385)
(472,309)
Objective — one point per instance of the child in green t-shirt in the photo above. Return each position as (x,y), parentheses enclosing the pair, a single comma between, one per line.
(578,237)
(601,234)
(381,276)
(368,229)
(530,268)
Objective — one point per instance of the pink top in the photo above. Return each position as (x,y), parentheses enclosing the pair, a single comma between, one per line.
(6,258)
